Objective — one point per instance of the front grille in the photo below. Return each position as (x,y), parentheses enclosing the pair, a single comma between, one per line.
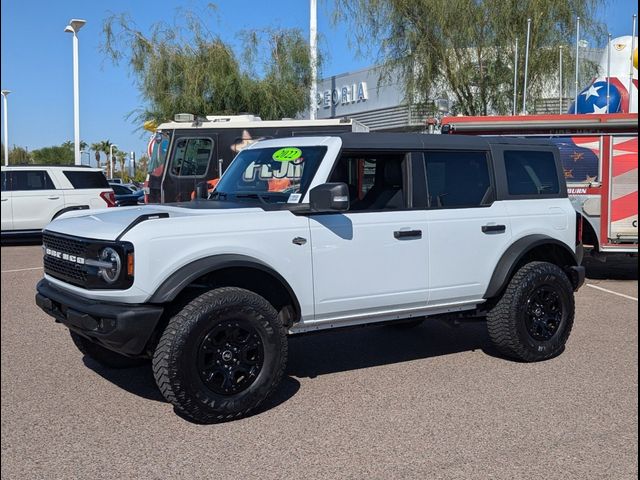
(64,269)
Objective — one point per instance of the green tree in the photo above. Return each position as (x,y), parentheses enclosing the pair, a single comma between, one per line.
(186,68)
(18,156)
(466,47)
(58,155)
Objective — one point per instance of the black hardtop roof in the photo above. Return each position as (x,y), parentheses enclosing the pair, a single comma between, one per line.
(418,141)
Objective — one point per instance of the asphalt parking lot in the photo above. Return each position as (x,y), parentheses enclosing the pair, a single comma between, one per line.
(376,403)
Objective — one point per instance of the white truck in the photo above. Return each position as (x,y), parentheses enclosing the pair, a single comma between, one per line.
(313,233)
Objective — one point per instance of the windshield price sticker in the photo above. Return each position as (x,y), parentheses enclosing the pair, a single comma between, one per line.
(288,154)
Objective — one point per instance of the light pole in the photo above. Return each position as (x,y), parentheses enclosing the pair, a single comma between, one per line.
(5,93)
(74,27)
(111,159)
(313,45)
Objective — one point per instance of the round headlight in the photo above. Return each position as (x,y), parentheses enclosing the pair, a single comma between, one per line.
(110,274)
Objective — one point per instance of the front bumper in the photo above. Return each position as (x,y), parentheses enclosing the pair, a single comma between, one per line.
(123,328)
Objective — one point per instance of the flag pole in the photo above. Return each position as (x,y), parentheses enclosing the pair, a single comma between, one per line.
(608,72)
(633,46)
(575,107)
(515,79)
(560,83)
(526,69)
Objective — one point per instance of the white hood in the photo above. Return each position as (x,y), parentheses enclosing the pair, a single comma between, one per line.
(108,224)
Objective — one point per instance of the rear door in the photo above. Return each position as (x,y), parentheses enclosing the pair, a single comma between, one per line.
(7,215)
(35,199)
(468,230)
(193,160)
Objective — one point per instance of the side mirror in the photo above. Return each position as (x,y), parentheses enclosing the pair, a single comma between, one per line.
(329,197)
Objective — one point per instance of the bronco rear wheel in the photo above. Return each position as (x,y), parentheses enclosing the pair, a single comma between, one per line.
(221,356)
(533,319)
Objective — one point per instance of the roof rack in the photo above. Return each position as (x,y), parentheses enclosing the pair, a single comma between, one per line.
(40,165)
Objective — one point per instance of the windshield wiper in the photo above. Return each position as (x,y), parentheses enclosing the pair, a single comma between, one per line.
(253,195)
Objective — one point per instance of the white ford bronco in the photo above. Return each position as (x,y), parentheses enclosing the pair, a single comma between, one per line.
(313,233)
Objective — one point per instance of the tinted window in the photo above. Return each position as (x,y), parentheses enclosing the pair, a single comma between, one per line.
(4,182)
(191,157)
(120,189)
(375,181)
(531,173)
(457,179)
(31,180)
(81,179)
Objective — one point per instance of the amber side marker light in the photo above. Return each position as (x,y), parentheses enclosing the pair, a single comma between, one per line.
(130,264)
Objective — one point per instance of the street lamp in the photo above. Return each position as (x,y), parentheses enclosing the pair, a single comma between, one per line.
(111,159)
(6,127)
(74,27)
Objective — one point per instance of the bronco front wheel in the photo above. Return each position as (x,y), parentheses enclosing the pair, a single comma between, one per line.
(221,356)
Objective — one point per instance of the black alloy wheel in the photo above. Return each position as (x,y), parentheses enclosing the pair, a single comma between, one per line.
(230,357)
(543,313)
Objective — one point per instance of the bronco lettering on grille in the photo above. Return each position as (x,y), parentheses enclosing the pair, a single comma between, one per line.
(64,256)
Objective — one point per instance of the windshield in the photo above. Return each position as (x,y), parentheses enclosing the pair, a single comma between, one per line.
(159,147)
(274,175)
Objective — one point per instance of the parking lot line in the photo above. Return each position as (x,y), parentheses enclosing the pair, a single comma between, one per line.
(612,292)
(21,270)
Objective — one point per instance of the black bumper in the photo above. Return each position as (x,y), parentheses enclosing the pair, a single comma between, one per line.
(123,328)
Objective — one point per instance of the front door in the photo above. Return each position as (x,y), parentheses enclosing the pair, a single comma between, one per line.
(371,261)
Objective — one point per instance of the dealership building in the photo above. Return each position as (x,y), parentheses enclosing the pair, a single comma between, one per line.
(379,102)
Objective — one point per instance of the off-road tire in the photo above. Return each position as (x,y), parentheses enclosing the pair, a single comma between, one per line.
(506,322)
(175,361)
(104,356)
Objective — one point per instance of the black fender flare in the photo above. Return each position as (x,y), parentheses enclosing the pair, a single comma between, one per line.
(178,280)
(511,257)
(70,209)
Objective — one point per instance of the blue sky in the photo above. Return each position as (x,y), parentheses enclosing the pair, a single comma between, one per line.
(36,59)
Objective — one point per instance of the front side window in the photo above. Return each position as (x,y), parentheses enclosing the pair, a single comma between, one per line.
(275,175)
(457,179)
(25,180)
(191,157)
(531,173)
(375,181)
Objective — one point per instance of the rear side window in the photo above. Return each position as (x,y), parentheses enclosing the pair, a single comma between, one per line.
(191,157)
(5,186)
(458,179)
(82,180)
(120,189)
(25,180)
(531,173)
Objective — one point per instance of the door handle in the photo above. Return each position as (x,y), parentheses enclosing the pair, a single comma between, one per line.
(494,228)
(402,234)
(53,198)
(5,199)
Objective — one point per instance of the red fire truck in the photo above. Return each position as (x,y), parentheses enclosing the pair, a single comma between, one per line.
(600,159)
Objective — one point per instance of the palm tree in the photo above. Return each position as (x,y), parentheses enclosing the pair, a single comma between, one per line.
(105,146)
(97,148)
(120,156)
